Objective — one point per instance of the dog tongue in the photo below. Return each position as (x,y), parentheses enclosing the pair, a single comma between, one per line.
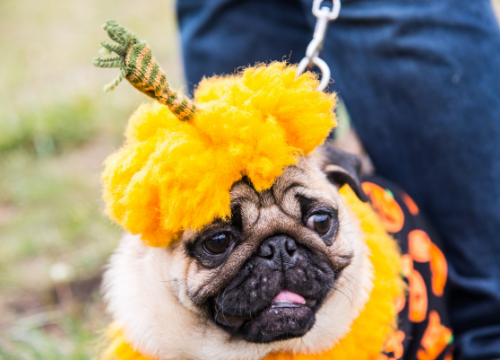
(288,296)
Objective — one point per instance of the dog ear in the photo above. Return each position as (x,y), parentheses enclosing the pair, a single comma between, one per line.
(342,168)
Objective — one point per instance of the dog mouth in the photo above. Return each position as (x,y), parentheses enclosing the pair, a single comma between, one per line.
(288,315)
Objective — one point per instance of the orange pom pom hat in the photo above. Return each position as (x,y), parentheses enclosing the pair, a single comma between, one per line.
(172,175)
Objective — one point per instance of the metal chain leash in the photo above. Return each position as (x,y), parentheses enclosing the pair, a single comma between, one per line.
(323,15)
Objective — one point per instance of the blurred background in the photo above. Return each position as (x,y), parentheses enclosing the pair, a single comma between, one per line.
(56,129)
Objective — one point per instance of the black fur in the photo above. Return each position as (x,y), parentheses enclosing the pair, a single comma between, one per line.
(350,163)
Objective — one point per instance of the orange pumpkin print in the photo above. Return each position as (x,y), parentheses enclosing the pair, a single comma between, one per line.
(439,270)
(410,204)
(435,339)
(399,303)
(391,215)
(406,265)
(395,344)
(417,302)
(422,249)
(419,246)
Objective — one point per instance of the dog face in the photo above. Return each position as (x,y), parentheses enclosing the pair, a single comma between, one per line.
(287,272)
(272,266)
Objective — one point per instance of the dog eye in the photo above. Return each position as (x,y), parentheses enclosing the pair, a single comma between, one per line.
(319,223)
(218,243)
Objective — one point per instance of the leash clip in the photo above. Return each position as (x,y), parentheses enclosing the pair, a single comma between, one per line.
(323,15)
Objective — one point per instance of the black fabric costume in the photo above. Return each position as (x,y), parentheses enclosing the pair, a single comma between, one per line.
(415,344)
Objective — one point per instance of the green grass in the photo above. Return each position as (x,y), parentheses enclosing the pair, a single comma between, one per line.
(54,338)
(51,213)
(38,345)
(50,129)
(56,129)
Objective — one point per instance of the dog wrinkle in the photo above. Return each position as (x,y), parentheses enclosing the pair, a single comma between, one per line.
(292,176)
(241,191)
(267,199)
(236,216)
(220,277)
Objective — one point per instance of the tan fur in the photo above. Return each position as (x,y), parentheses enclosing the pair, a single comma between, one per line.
(152,292)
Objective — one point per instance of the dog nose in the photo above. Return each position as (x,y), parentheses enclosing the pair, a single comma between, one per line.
(280,251)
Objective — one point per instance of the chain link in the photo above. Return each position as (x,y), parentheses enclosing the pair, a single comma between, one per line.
(324,15)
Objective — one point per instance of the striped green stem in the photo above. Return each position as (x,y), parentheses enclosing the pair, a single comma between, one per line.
(137,64)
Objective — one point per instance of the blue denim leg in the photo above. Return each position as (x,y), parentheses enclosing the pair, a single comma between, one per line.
(421,81)
(219,36)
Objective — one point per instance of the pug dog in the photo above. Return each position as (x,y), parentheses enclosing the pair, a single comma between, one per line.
(291,269)
(288,272)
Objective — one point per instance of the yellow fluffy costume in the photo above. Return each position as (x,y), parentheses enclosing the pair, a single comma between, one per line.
(181,159)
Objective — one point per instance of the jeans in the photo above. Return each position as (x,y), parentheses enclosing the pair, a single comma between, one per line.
(421,81)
